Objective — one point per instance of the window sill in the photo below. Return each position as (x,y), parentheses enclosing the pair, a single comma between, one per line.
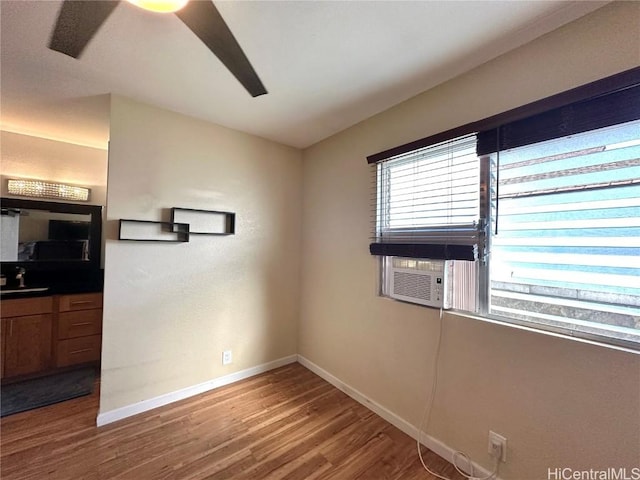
(513,324)
(565,336)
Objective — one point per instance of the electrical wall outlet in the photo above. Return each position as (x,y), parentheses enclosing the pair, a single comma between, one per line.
(497,446)
(227,358)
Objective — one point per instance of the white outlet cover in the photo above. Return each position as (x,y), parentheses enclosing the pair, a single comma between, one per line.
(498,439)
(226,357)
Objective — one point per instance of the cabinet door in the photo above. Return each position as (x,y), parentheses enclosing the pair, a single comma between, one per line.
(3,335)
(27,344)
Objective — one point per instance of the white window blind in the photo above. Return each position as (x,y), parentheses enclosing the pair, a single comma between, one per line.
(567,250)
(429,196)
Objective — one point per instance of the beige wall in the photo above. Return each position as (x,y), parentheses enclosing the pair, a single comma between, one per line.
(559,402)
(26,156)
(171,309)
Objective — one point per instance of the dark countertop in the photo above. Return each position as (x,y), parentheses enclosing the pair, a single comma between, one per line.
(57,283)
(54,290)
(25,294)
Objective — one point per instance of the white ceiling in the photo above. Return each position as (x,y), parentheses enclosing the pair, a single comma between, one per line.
(326,65)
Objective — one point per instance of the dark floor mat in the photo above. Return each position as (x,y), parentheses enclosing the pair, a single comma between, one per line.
(30,394)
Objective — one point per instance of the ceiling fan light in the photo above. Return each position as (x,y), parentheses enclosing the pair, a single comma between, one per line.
(160,6)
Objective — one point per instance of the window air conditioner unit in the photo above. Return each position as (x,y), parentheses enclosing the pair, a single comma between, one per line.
(425,282)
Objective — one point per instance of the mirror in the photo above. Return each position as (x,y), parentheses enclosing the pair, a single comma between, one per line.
(40,233)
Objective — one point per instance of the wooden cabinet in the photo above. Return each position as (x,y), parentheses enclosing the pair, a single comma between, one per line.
(3,342)
(80,323)
(79,329)
(40,334)
(26,336)
(74,351)
(80,301)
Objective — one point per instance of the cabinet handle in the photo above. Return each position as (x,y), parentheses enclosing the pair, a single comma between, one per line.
(80,324)
(80,351)
(80,302)
(11,328)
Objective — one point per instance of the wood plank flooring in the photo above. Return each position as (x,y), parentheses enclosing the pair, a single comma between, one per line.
(287,424)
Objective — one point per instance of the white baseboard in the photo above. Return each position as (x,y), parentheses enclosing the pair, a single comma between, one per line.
(428,441)
(145,405)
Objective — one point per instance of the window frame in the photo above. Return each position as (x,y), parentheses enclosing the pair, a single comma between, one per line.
(589,93)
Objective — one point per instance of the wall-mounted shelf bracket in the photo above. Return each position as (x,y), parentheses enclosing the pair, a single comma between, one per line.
(150,231)
(205,222)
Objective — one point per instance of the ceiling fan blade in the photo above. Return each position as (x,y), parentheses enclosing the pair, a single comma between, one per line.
(77,23)
(203,18)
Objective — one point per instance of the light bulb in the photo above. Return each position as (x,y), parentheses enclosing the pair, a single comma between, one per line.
(160,6)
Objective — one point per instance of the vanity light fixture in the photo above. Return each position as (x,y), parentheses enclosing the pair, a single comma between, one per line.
(40,189)
(160,6)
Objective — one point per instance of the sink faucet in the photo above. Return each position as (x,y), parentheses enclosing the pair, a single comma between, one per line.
(20,277)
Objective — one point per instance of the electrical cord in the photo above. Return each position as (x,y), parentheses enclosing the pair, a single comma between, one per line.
(426,416)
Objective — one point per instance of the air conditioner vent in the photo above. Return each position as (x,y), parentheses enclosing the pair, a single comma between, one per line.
(426,282)
(412,285)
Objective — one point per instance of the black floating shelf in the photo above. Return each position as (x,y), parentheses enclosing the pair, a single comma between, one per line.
(205,222)
(150,231)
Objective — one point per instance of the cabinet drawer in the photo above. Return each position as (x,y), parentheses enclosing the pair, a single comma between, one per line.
(78,350)
(26,306)
(81,323)
(80,301)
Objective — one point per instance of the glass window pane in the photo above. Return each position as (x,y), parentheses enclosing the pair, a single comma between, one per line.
(567,251)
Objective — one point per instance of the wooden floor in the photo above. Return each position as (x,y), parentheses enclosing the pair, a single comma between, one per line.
(284,424)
